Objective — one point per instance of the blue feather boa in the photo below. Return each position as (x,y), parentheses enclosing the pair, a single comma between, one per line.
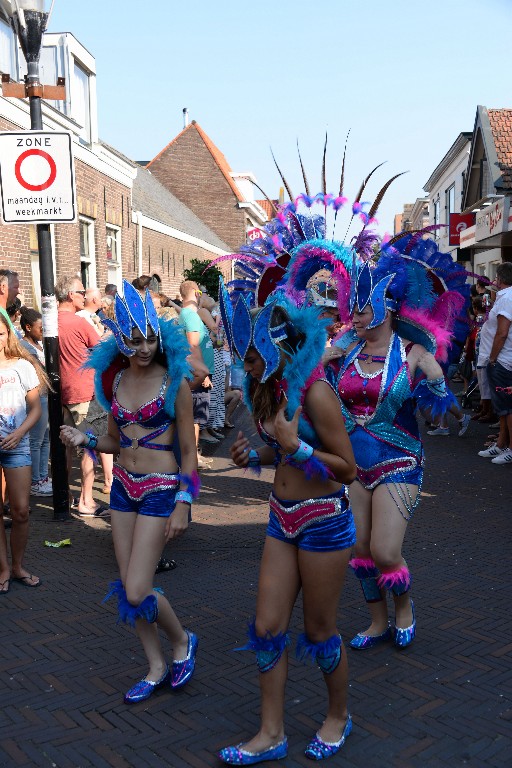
(176,350)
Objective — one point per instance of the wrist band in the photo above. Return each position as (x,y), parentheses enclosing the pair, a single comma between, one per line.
(303,452)
(92,441)
(254,459)
(185,497)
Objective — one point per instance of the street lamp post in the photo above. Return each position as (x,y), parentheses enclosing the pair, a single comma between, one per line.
(29,19)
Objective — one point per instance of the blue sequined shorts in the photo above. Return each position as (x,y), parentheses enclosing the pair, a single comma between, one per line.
(152,494)
(412,476)
(324,524)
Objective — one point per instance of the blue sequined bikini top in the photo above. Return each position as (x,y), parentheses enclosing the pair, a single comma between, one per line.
(151,415)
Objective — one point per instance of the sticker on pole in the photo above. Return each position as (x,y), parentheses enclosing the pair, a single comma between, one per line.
(37,177)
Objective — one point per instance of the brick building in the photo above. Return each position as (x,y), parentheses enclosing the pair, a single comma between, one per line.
(198,174)
(128,224)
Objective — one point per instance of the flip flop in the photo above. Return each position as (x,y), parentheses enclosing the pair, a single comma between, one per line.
(165,565)
(2,585)
(23,581)
(102,511)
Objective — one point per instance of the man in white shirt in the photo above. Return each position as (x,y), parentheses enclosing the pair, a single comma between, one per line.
(496,352)
(93,302)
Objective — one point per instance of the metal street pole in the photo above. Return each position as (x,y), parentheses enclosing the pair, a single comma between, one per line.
(29,23)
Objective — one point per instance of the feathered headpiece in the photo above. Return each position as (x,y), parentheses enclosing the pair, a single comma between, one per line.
(321,295)
(132,311)
(424,288)
(244,330)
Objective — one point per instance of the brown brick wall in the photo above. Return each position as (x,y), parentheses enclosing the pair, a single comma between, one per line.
(169,266)
(188,170)
(104,201)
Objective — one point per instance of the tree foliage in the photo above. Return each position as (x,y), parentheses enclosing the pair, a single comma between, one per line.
(202,274)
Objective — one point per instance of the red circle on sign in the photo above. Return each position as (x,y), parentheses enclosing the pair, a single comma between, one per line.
(35,187)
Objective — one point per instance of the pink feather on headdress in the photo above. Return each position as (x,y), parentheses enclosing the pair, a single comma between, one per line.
(442,335)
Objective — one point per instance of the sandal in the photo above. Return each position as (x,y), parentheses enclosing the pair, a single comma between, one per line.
(26,581)
(3,589)
(164,565)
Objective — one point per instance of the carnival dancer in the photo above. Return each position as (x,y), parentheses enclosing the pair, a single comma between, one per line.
(140,379)
(381,378)
(310,529)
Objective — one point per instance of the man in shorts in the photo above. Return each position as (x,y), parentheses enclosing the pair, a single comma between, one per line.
(76,337)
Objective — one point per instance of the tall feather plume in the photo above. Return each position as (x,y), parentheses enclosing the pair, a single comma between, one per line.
(378,199)
(342,183)
(267,198)
(306,185)
(290,194)
(365,182)
(417,235)
(342,179)
(324,178)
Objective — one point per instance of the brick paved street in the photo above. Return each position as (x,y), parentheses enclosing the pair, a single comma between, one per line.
(445,701)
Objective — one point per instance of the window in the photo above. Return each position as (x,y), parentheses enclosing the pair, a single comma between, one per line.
(87,254)
(437,216)
(80,102)
(113,255)
(7,50)
(450,202)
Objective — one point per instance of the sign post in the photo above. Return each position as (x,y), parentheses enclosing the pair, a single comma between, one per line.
(37,185)
(37,180)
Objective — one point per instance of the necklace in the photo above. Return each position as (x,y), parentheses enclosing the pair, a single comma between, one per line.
(364,375)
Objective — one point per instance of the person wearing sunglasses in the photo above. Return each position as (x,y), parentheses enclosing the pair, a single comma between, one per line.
(76,337)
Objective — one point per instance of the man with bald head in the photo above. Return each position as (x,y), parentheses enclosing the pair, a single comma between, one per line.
(92,304)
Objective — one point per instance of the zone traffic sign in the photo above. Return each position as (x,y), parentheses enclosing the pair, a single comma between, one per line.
(37,177)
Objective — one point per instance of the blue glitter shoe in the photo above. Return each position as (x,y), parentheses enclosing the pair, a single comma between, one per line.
(145,688)
(317,749)
(404,637)
(361,641)
(239,756)
(183,670)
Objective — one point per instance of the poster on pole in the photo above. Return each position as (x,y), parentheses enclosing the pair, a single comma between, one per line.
(37,177)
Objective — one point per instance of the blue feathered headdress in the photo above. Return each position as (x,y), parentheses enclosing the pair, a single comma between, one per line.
(132,311)
(106,360)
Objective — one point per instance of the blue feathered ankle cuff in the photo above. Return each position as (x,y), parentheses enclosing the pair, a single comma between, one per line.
(128,613)
(268,648)
(326,654)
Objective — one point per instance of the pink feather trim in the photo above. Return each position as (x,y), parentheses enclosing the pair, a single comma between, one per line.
(442,335)
(389,579)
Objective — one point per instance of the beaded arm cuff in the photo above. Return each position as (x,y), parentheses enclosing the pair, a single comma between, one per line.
(303,453)
(92,441)
(254,459)
(434,396)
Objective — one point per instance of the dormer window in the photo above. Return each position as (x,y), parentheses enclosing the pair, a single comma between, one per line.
(7,50)
(81,102)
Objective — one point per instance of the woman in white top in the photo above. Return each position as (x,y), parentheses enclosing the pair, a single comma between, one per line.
(20,409)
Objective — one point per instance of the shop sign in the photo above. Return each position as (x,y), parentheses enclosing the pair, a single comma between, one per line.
(458,223)
(492,220)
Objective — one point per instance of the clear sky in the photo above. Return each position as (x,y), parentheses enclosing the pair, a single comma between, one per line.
(404,77)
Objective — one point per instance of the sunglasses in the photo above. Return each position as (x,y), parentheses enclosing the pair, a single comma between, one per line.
(82,293)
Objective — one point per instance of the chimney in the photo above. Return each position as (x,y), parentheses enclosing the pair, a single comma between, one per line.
(185,117)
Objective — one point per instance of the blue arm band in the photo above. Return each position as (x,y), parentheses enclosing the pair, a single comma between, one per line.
(184,497)
(437,386)
(92,441)
(254,459)
(303,452)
